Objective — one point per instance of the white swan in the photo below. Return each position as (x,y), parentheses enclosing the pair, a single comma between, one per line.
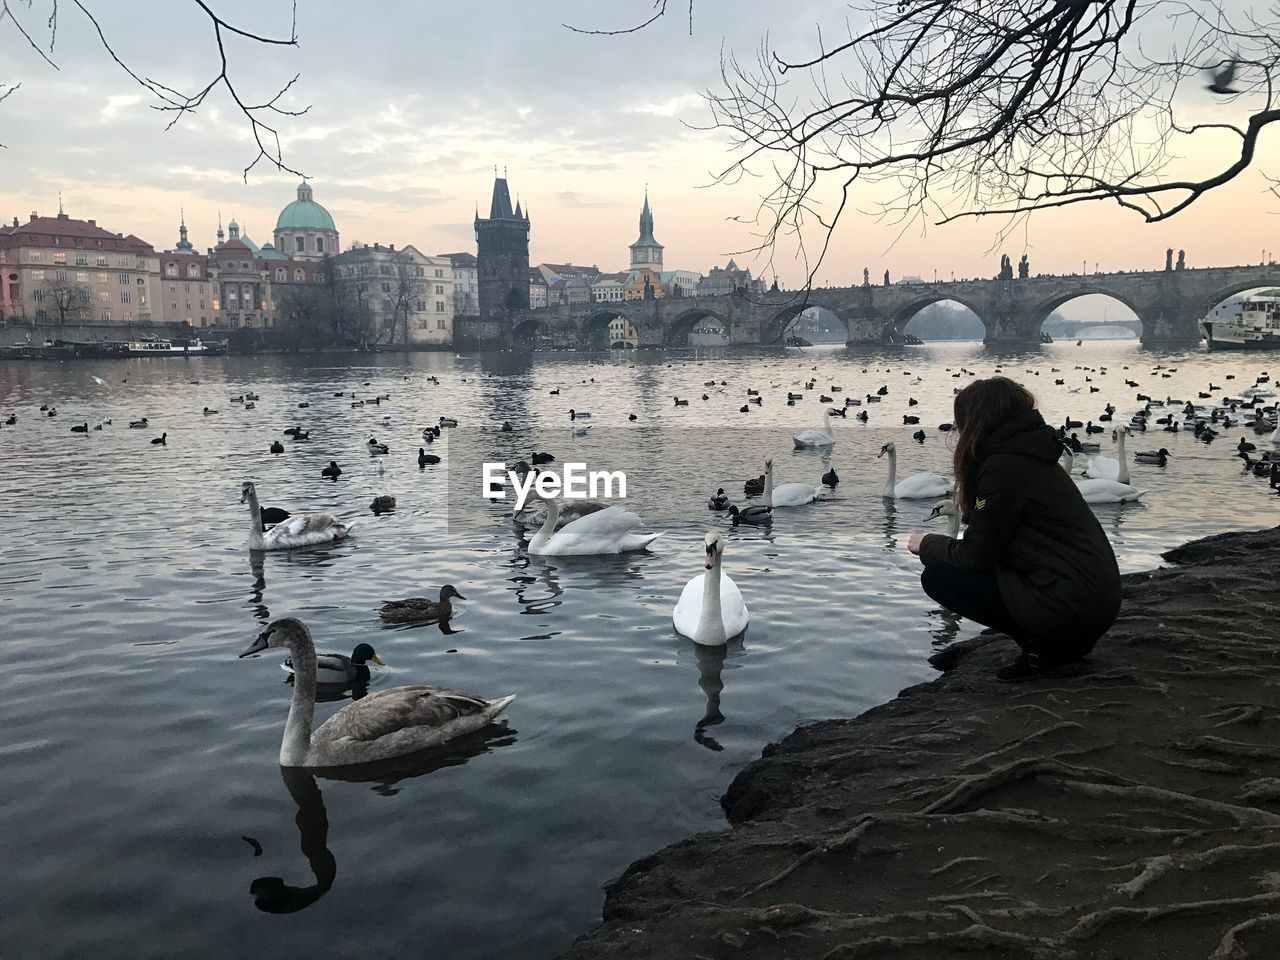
(611,530)
(947,508)
(816,437)
(786,494)
(1111,468)
(384,724)
(299,530)
(710,609)
(918,486)
(1108,491)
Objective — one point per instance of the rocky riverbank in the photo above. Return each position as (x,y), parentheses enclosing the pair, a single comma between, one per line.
(1129,807)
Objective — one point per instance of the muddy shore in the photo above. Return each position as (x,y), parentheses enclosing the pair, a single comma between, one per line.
(1128,807)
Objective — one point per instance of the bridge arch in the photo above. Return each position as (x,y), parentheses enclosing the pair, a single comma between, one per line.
(895,325)
(596,329)
(1223,294)
(1043,311)
(678,328)
(527,329)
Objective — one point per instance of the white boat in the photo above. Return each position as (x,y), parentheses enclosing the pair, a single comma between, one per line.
(1255,326)
(155,347)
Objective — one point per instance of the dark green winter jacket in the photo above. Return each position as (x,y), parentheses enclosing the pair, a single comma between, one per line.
(1055,568)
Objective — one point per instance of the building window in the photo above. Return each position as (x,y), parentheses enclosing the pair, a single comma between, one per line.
(59,274)
(122,277)
(171,269)
(439,288)
(102,261)
(193,270)
(297,274)
(440,325)
(280,275)
(386,287)
(126,296)
(439,273)
(82,296)
(319,244)
(82,277)
(81,260)
(103,278)
(440,307)
(39,296)
(104,296)
(35,257)
(41,316)
(300,244)
(60,256)
(106,315)
(37,275)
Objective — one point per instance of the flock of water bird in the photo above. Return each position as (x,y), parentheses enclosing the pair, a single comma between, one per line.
(711,608)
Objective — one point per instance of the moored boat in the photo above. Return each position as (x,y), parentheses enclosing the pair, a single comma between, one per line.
(1255,326)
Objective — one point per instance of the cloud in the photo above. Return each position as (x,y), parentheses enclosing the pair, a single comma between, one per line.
(582,201)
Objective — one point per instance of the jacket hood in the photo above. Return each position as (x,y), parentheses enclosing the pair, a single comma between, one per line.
(1026,435)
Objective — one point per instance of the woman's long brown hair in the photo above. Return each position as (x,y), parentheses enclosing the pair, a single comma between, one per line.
(981,407)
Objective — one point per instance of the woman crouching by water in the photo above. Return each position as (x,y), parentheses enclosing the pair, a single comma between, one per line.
(1034,562)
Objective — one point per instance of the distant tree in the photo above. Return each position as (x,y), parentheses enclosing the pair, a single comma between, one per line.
(305,316)
(65,302)
(410,295)
(966,108)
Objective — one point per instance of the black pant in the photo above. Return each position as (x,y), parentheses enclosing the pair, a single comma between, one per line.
(976,594)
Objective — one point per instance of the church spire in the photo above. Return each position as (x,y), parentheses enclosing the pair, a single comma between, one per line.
(183,242)
(221,236)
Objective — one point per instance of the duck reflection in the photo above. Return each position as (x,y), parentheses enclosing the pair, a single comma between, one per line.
(274,894)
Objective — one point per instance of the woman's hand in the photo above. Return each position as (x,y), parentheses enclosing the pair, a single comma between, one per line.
(913,542)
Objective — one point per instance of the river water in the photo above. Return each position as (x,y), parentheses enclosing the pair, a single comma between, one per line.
(141,797)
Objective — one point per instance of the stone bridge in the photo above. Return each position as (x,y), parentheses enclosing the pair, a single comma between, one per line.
(1168,303)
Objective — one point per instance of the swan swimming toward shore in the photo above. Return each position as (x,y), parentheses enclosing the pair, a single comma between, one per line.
(384,724)
(918,486)
(1108,491)
(711,610)
(299,530)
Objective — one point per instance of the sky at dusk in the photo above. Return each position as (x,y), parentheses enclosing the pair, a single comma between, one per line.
(412,105)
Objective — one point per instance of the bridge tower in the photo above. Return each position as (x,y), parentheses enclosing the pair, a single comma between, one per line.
(502,243)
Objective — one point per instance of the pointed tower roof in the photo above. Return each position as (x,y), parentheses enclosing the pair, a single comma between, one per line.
(519,215)
(646,225)
(500,206)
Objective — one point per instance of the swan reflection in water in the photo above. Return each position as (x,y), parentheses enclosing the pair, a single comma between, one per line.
(274,894)
(711,664)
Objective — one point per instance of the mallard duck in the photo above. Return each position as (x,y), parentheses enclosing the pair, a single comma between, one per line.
(719,500)
(419,609)
(448,422)
(138,424)
(333,668)
(383,504)
(756,516)
(385,724)
(1159,457)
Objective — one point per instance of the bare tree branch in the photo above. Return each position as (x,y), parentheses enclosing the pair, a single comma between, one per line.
(266,137)
(660,10)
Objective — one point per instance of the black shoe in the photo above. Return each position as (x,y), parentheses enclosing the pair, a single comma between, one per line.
(1027,666)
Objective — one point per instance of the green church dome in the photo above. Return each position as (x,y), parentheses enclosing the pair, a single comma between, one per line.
(305,214)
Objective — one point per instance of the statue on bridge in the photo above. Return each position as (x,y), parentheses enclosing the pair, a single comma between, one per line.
(1182,260)
(886,278)
(1168,259)
(1024,268)
(866,277)
(1006,268)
